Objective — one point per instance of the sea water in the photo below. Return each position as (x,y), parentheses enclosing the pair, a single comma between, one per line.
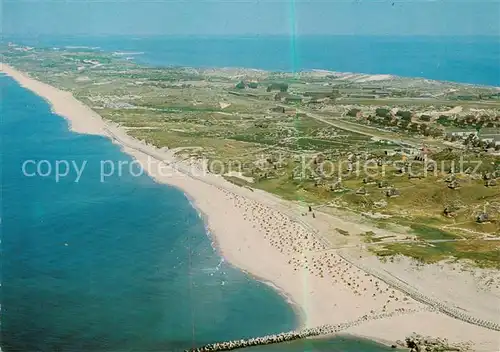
(120,265)
(467,59)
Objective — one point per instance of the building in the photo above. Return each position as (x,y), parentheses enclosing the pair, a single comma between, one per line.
(460,132)
(278,109)
(319,95)
(482,218)
(392,192)
(293,99)
(287,98)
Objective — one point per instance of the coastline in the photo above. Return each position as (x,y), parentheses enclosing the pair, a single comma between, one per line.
(299,312)
(265,237)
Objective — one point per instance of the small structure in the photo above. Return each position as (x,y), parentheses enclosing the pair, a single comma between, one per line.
(454,184)
(380,204)
(319,181)
(487,176)
(369,180)
(278,109)
(401,170)
(461,132)
(392,192)
(337,187)
(482,218)
(383,184)
(450,178)
(411,176)
(449,211)
(490,183)
(361,191)
(319,158)
(293,99)
(287,97)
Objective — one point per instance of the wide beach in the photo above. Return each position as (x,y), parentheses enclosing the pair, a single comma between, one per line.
(264,236)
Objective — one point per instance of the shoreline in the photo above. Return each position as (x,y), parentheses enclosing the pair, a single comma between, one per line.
(378,76)
(297,309)
(269,235)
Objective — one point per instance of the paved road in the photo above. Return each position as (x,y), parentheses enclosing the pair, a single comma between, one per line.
(333,121)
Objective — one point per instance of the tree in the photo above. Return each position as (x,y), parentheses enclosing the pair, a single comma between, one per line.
(382,112)
(405,124)
(405,115)
(436,132)
(414,127)
(282,87)
(444,120)
(353,112)
(335,93)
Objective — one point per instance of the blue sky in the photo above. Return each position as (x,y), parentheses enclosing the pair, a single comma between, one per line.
(249,17)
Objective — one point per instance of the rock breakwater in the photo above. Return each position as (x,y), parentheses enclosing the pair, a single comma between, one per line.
(291,335)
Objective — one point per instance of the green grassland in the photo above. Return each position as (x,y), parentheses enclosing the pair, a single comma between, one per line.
(180,107)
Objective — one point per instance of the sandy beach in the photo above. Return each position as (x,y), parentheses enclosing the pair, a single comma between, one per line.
(266,237)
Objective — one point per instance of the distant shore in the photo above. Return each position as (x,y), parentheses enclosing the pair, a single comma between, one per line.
(259,234)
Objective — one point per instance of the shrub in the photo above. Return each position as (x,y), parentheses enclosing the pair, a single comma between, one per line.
(382,112)
(405,115)
(353,112)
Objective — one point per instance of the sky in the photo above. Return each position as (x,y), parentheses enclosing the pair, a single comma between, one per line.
(251,17)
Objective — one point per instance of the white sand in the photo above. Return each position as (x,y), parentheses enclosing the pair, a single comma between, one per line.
(455,284)
(254,232)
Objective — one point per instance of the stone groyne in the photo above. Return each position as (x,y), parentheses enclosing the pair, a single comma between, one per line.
(292,335)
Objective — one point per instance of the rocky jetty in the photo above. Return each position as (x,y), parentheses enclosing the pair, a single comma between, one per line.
(418,343)
(289,336)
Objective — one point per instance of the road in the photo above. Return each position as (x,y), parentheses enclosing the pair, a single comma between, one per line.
(351,127)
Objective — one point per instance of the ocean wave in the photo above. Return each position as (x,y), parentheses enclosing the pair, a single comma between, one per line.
(279,290)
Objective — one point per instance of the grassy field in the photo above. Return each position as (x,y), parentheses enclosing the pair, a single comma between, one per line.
(294,155)
(483,253)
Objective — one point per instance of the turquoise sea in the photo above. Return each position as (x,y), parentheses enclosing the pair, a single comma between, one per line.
(467,59)
(121,265)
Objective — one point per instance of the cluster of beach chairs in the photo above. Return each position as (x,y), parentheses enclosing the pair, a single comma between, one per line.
(437,305)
